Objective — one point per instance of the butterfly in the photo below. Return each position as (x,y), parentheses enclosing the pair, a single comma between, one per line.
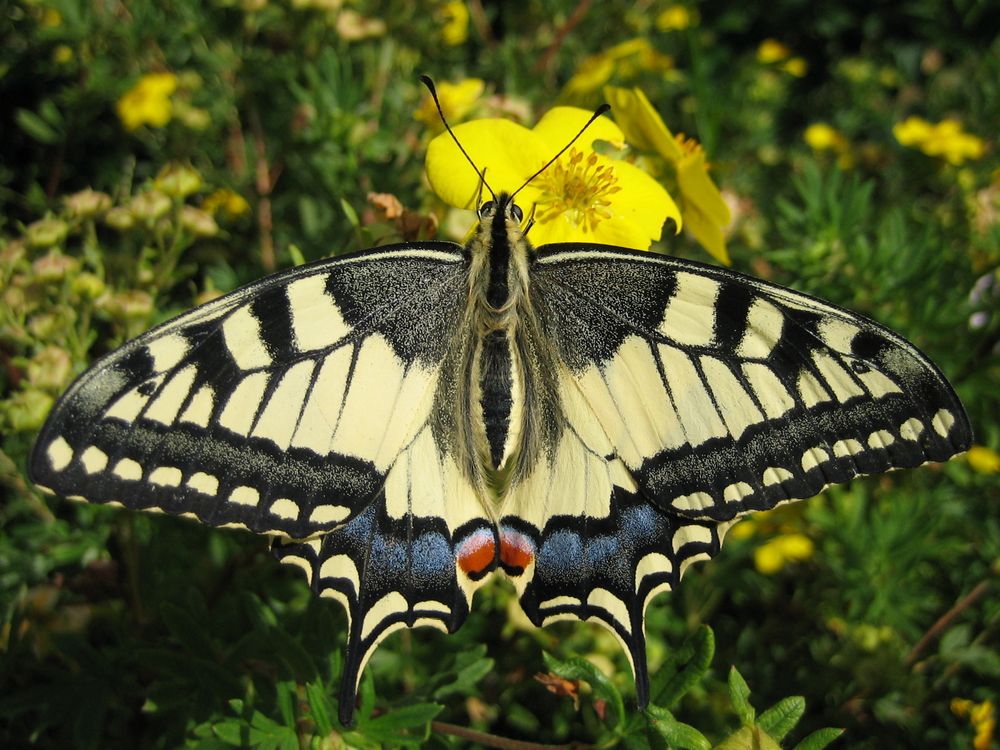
(406,421)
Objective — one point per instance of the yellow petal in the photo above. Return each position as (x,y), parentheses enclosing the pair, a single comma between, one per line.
(697,188)
(708,234)
(642,125)
(983,459)
(507,151)
(911,131)
(560,124)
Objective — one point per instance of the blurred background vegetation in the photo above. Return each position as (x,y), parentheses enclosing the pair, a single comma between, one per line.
(155,154)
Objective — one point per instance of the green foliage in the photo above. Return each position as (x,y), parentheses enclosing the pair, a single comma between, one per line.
(120,631)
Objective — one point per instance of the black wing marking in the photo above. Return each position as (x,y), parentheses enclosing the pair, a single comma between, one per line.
(278,407)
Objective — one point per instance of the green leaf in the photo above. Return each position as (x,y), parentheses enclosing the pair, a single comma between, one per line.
(286,701)
(350,213)
(399,724)
(231,731)
(739,695)
(469,668)
(320,708)
(782,717)
(581,669)
(748,738)
(187,630)
(675,733)
(295,253)
(819,739)
(683,669)
(36,127)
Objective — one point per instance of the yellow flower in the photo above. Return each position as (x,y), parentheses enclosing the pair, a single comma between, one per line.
(823,137)
(705,212)
(51,18)
(229,202)
(455,30)
(148,102)
(457,100)
(772,51)
(982,716)
(626,59)
(795,66)
(584,196)
(912,131)
(945,139)
(675,18)
(983,459)
(772,556)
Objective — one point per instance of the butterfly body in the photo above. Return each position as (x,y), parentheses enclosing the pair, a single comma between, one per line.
(408,420)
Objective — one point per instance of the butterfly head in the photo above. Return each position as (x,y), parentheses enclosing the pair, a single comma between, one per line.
(502,222)
(503,206)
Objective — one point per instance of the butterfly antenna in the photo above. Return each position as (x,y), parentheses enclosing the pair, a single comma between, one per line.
(597,113)
(426,80)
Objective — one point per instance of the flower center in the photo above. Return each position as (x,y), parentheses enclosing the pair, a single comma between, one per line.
(578,190)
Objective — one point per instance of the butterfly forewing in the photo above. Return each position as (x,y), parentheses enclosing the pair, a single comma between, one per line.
(279,407)
(723,394)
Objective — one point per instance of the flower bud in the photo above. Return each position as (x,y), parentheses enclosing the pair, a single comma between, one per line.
(149,206)
(87,203)
(46,232)
(46,325)
(27,410)
(199,223)
(11,253)
(178,181)
(88,286)
(50,369)
(53,267)
(119,218)
(130,305)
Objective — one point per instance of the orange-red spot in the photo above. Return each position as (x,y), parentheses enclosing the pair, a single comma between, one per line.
(516,550)
(477,554)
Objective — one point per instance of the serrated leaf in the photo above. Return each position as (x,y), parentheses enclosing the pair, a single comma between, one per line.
(232,732)
(782,717)
(819,739)
(581,669)
(400,723)
(286,701)
(675,733)
(320,708)
(466,677)
(739,695)
(684,668)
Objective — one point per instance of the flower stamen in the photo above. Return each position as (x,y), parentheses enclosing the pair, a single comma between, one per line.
(577,189)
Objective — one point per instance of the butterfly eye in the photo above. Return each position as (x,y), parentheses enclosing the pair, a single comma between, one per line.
(487,209)
(516,212)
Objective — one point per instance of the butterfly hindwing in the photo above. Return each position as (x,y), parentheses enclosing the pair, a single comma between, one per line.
(279,407)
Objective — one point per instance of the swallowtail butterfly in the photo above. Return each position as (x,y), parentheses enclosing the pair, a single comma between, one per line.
(408,420)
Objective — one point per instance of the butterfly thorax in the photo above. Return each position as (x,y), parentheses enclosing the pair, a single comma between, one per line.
(503,377)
